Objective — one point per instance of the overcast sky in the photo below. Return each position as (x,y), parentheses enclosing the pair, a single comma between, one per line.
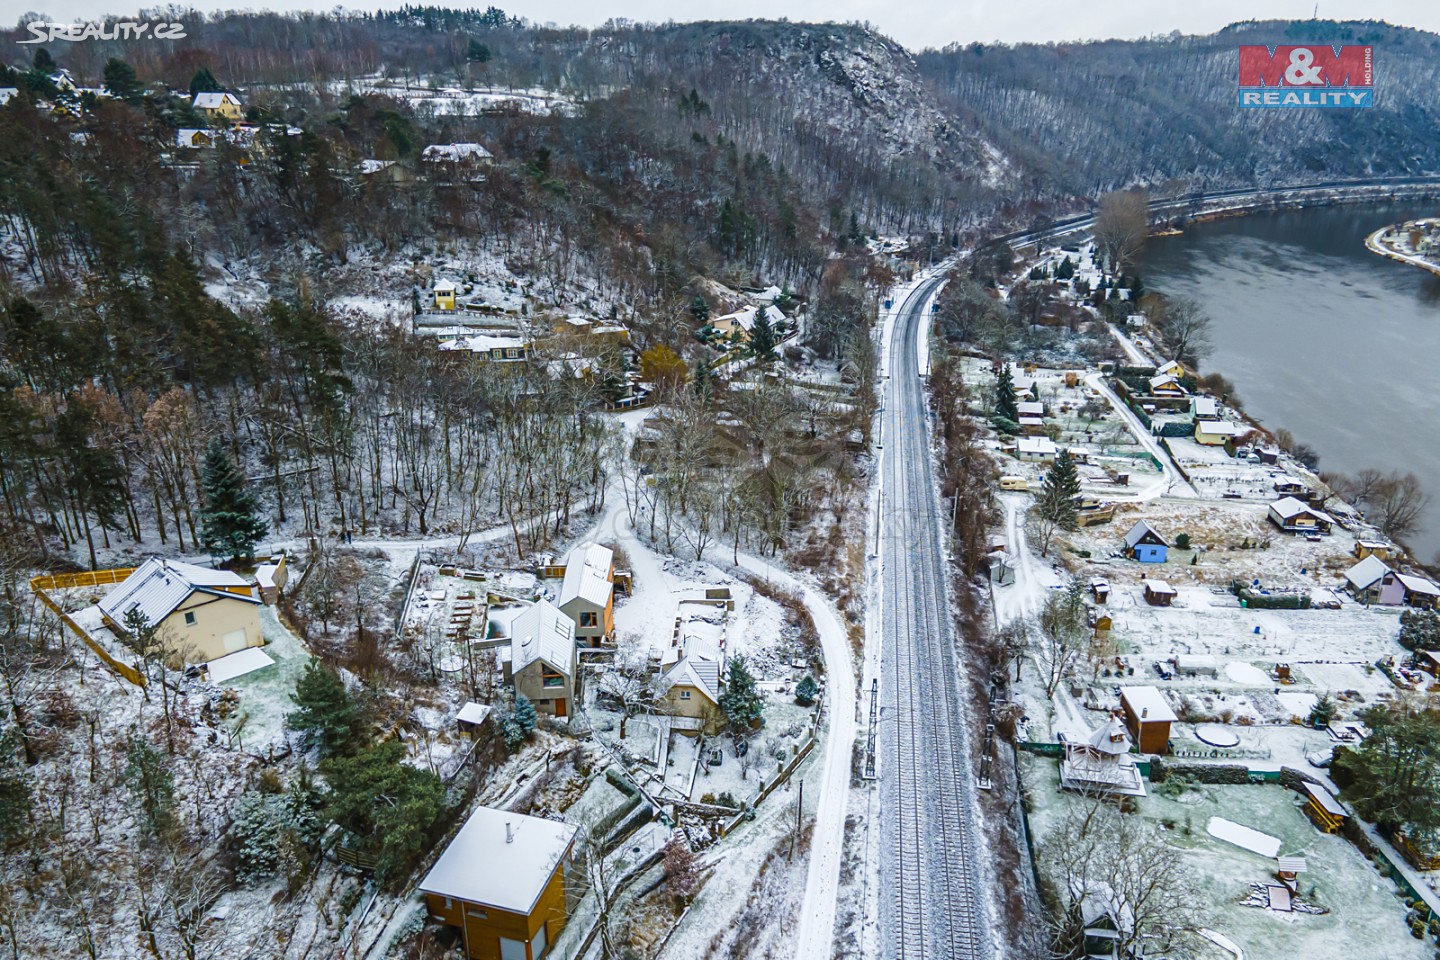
(915,23)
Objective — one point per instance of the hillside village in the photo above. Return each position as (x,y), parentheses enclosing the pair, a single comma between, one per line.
(460,538)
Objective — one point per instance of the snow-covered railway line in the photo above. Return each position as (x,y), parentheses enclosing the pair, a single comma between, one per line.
(938,908)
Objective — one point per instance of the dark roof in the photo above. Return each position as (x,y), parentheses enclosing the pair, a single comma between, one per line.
(1142,532)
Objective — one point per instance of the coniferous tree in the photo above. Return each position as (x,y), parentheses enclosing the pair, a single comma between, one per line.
(700,310)
(1005,395)
(704,385)
(525,714)
(762,338)
(326,712)
(151,784)
(230,520)
(204,82)
(121,81)
(1059,498)
(741,700)
(386,804)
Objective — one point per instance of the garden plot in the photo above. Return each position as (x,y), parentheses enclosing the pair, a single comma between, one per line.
(259,718)
(1229,540)
(1365,917)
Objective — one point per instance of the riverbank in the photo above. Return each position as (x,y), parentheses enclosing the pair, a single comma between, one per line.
(1388,241)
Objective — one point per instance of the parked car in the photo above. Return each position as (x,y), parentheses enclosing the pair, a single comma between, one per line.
(1320,758)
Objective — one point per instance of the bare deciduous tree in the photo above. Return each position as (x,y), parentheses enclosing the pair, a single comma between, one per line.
(1121,226)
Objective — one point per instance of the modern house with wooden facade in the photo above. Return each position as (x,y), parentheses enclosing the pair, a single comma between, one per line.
(501,883)
(1297,516)
(587,595)
(543,658)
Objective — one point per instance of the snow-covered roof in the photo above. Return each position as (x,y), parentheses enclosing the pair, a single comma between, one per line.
(1290,864)
(1149,703)
(1217,428)
(1111,737)
(1165,380)
(214,101)
(193,137)
(1030,408)
(542,632)
(1288,507)
(473,712)
(6,93)
(1207,407)
(1414,584)
(265,574)
(744,319)
(587,575)
(1367,572)
(500,859)
(445,286)
(1040,445)
(1173,367)
(704,675)
(1161,587)
(232,665)
(158,586)
(1138,532)
(1031,421)
(374,166)
(1283,482)
(1324,798)
(451,152)
(481,343)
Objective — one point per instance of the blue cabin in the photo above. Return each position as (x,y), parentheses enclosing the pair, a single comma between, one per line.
(1142,543)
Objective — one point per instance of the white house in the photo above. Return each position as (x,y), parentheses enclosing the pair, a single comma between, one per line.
(543,657)
(1036,448)
(587,594)
(1296,516)
(1102,763)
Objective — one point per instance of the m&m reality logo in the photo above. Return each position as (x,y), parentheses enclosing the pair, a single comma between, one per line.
(1316,75)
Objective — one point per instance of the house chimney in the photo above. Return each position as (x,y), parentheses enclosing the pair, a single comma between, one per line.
(1144,712)
(509,832)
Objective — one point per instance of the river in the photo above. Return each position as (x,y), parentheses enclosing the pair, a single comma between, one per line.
(1320,336)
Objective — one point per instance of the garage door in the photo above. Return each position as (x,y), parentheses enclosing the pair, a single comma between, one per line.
(235,640)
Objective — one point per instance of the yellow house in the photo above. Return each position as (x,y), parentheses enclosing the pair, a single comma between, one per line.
(587,594)
(501,883)
(201,614)
(692,690)
(444,296)
(219,106)
(1215,433)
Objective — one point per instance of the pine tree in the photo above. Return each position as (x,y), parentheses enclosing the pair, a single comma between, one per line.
(1059,498)
(1005,405)
(387,805)
(326,711)
(230,521)
(151,784)
(700,310)
(204,82)
(741,700)
(121,81)
(806,691)
(762,338)
(704,384)
(525,714)
(15,801)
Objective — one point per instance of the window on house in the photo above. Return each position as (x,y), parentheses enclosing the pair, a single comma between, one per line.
(512,949)
(589,619)
(684,694)
(538,945)
(549,678)
(478,913)
(189,619)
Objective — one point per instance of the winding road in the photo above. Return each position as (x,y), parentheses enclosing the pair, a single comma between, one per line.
(933,902)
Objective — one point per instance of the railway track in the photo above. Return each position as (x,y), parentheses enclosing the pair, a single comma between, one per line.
(938,907)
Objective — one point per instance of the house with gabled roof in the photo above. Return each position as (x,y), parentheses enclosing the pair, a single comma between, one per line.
(1297,516)
(502,884)
(200,614)
(219,106)
(1143,543)
(692,691)
(543,658)
(587,594)
(1419,591)
(1102,764)
(1166,385)
(1372,581)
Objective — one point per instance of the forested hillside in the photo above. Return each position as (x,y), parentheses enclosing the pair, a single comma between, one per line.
(1087,117)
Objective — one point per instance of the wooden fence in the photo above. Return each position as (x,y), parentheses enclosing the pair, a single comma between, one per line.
(41,587)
